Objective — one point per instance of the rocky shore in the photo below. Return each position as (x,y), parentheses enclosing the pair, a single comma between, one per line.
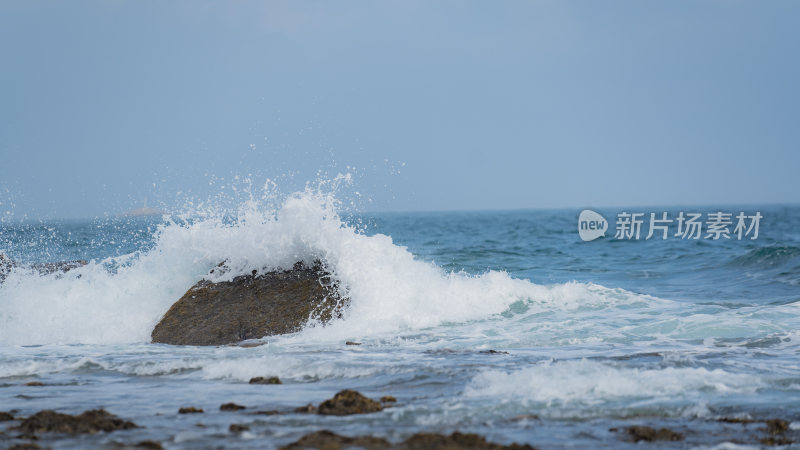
(263,303)
(48,428)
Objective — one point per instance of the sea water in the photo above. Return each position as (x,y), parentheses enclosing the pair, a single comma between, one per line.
(588,337)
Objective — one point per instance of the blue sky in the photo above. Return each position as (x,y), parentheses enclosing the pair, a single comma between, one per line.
(438,105)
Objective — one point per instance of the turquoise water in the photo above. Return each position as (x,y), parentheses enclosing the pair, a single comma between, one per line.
(597,335)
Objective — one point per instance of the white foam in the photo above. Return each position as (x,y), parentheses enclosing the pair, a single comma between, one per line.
(588,382)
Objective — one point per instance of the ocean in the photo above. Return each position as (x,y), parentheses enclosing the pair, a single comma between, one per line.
(501,323)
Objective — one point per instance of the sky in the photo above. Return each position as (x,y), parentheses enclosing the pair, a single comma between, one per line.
(445,105)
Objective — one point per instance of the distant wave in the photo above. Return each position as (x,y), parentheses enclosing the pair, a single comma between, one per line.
(767,256)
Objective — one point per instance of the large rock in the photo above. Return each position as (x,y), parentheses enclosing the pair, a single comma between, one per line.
(250,307)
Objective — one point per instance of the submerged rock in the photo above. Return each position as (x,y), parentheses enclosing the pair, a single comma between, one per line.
(777,426)
(643,433)
(742,420)
(329,440)
(238,428)
(265,380)
(190,410)
(231,407)
(456,441)
(7,264)
(776,429)
(25,446)
(250,307)
(307,409)
(348,402)
(776,440)
(90,422)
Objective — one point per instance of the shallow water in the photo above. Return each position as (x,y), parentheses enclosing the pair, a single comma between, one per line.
(598,335)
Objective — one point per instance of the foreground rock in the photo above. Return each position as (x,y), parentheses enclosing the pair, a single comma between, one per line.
(456,441)
(7,264)
(329,440)
(89,422)
(249,307)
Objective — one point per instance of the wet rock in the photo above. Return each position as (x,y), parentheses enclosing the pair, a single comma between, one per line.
(535,417)
(153,445)
(231,407)
(776,440)
(307,409)
(25,446)
(742,420)
(493,352)
(5,416)
(776,429)
(455,441)
(388,399)
(352,343)
(238,428)
(34,383)
(190,410)
(643,433)
(265,380)
(87,422)
(250,307)
(328,440)
(348,402)
(777,426)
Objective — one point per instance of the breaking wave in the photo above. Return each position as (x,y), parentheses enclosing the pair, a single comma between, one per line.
(120,299)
